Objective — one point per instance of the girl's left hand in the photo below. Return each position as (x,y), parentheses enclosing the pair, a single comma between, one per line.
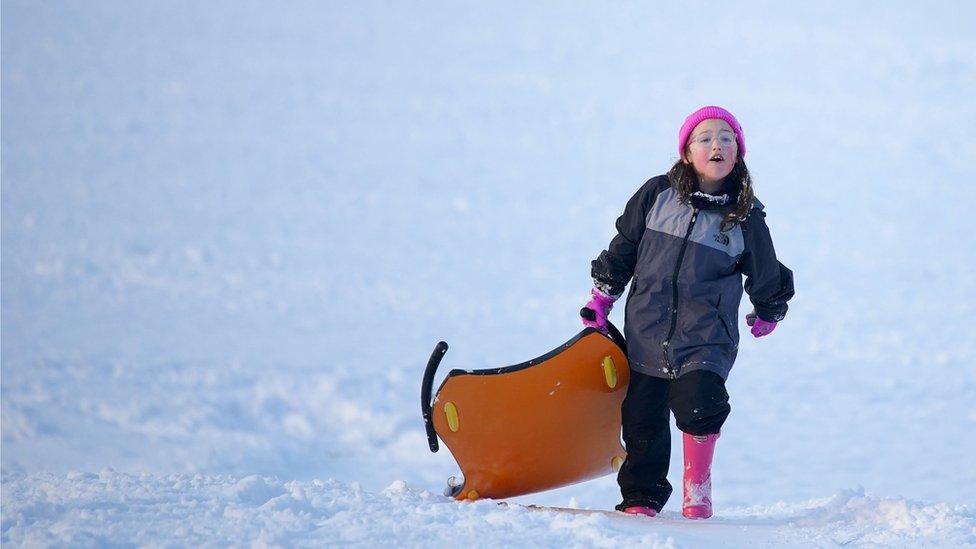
(760,327)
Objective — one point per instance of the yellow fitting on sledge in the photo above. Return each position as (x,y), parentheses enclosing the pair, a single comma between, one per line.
(610,371)
(473,495)
(616,462)
(452,416)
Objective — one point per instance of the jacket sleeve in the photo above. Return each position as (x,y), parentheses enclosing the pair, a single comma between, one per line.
(614,267)
(768,282)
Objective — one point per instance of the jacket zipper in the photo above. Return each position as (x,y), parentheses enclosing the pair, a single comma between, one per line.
(674,297)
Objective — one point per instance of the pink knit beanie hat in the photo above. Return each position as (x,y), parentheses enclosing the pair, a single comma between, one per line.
(705,113)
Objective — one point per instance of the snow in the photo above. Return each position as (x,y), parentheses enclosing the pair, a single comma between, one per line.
(182,509)
(232,234)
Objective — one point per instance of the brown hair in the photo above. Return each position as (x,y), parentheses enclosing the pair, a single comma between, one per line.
(738,184)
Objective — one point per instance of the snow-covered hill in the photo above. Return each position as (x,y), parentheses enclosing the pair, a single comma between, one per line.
(232,233)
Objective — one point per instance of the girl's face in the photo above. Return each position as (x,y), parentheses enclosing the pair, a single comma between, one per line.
(712,150)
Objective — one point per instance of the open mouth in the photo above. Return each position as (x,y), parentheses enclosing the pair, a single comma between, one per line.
(716,158)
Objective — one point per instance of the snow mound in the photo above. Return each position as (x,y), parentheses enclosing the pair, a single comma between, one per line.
(853,517)
(113,508)
(255,490)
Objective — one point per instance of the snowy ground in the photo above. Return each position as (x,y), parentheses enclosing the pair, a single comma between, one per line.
(197,510)
(231,235)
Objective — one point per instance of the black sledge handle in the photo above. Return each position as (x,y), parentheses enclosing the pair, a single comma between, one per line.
(588,314)
(425,387)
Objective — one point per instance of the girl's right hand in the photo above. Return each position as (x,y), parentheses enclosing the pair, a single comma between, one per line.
(594,313)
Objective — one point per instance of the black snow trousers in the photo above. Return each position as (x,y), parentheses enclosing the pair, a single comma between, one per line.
(700,404)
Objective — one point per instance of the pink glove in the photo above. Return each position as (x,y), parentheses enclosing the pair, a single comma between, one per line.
(760,327)
(595,312)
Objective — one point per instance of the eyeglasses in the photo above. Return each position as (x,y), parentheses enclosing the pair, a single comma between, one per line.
(706,140)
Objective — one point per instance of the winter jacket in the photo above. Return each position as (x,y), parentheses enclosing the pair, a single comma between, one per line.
(687,279)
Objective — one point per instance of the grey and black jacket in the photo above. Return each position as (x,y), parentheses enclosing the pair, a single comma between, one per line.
(687,279)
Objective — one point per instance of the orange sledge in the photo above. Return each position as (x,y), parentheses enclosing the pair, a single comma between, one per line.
(542,424)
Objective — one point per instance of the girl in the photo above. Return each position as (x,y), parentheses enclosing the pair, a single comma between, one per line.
(686,239)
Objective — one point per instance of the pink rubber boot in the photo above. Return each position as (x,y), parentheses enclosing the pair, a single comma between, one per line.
(641,510)
(698,475)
